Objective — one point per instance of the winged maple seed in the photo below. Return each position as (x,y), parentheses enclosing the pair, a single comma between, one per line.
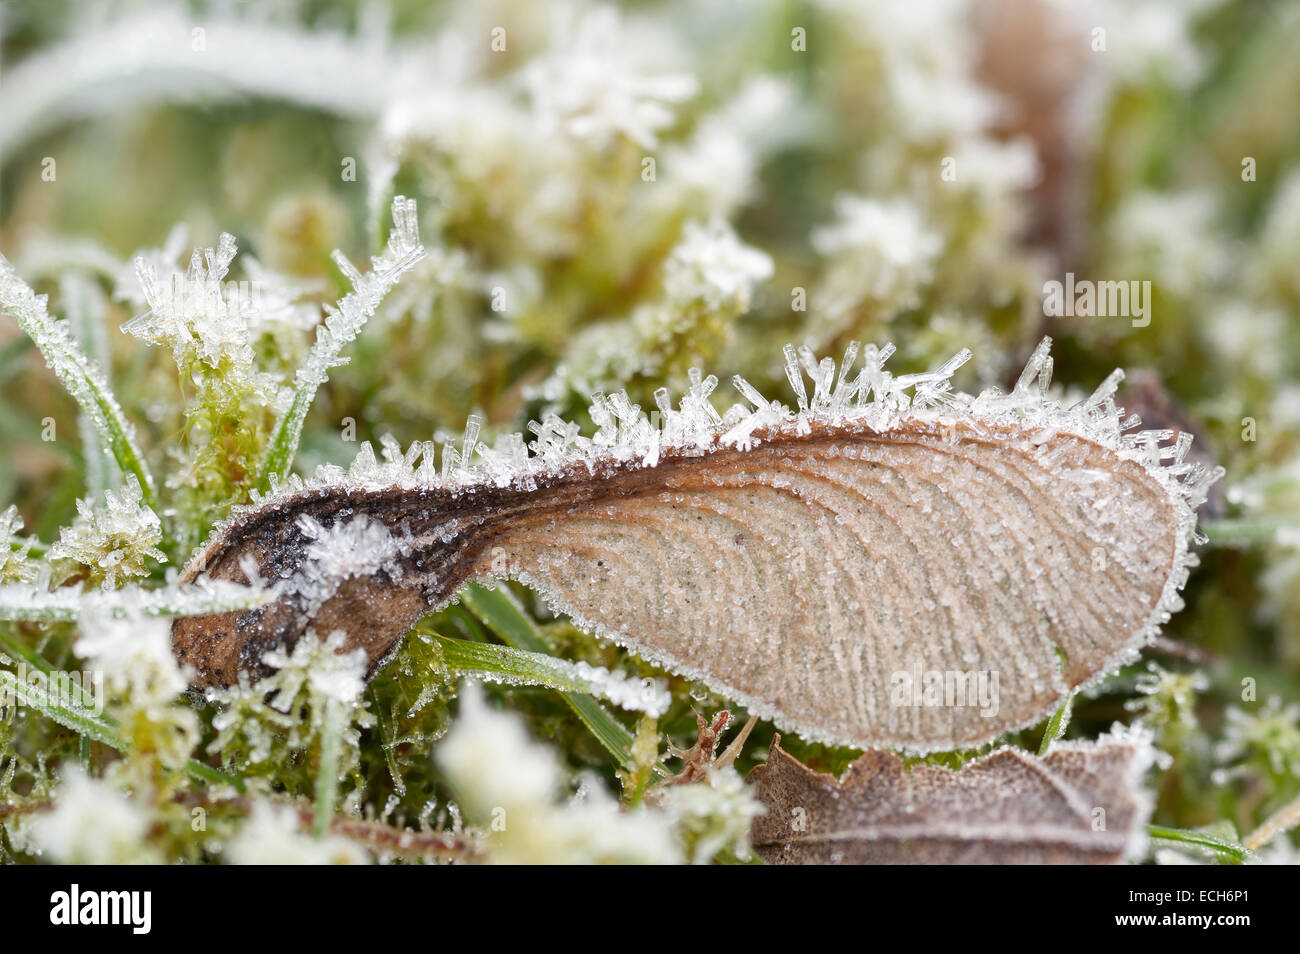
(798,561)
(1082,803)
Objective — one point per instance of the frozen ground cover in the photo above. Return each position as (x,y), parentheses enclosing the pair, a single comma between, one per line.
(526,538)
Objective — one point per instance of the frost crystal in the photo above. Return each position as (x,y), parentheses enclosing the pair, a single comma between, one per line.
(498,773)
(14,565)
(885,246)
(67,604)
(313,688)
(856,390)
(113,541)
(711,265)
(212,323)
(342,324)
(196,311)
(92,823)
(708,277)
(591,90)
(319,667)
(135,655)
(275,835)
(713,814)
(350,548)
(82,378)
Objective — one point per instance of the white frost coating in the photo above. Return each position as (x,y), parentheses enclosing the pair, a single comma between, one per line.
(881,250)
(92,823)
(321,665)
(616,687)
(199,308)
(1141,739)
(840,395)
(498,772)
(82,377)
(37,602)
(135,655)
(646,696)
(342,324)
(275,835)
(711,264)
(118,537)
(152,57)
(591,89)
(14,565)
(352,548)
(858,391)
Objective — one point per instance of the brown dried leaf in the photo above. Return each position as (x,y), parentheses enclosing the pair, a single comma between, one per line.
(1080,804)
(799,568)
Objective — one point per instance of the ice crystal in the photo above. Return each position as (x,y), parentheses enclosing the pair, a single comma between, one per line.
(82,378)
(501,776)
(638,695)
(15,567)
(342,324)
(711,265)
(857,390)
(93,822)
(36,602)
(709,278)
(258,724)
(143,681)
(211,323)
(882,250)
(590,86)
(115,541)
(713,815)
(318,668)
(350,548)
(196,314)
(275,835)
(134,654)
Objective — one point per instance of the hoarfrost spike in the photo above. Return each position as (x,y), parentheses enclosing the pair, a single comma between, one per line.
(801,563)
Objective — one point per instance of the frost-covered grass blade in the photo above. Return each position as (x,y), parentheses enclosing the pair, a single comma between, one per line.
(342,324)
(520,667)
(83,380)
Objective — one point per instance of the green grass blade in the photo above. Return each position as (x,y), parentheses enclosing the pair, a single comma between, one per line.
(508,621)
(522,667)
(85,306)
(15,647)
(327,773)
(82,379)
(1234,851)
(28,603)
(1247,532)
(340,328)
(1057,725)
(82,721)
